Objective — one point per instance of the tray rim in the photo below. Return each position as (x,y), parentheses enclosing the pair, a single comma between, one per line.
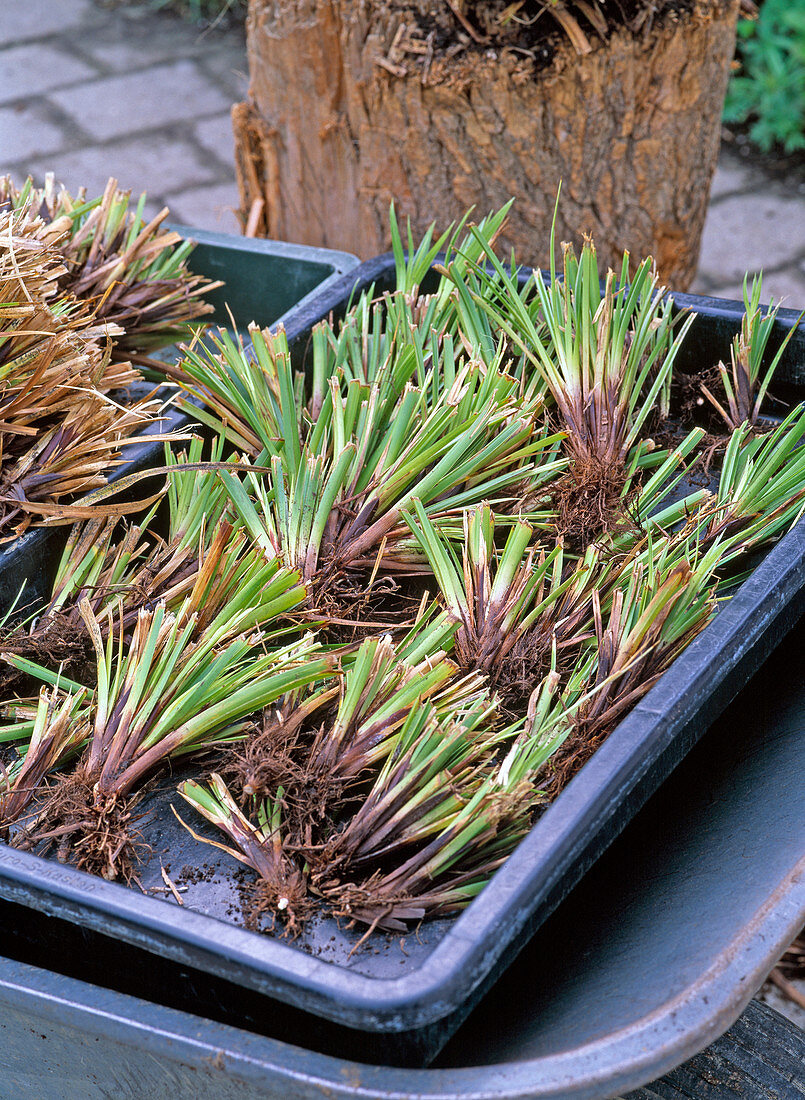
(342,263)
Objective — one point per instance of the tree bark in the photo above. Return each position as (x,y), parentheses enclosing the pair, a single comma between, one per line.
(352,106)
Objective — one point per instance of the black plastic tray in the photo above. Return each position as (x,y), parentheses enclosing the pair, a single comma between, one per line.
(265,280)
(417,992)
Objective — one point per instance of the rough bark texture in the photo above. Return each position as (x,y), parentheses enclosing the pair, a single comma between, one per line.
(343,120)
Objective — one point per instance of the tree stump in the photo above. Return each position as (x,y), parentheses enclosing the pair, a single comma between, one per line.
(358,102)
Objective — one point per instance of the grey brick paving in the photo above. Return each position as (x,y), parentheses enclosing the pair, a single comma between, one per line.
(731,177)
(90,91)
(229,68)
(212,207)
(157,162)
(786,287)
(215,135)
(25,132)
(751,230)
(146,99)
(35,68)
(24,19)
(122,42)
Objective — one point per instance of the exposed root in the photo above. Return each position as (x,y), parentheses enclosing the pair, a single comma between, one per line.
(511,670)
(369,904)
(268,759)
(514,677)
(282,898)
(276,755)
(590,732)
(56,642)
(689,402)
(588,500)
(93,831)
(350,609)
(314,810)
(713,450)
(569,759)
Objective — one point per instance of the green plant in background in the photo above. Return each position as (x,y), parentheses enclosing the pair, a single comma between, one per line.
(769,90)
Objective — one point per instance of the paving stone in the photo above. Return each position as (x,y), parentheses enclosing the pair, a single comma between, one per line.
(786,287)
(216,135)
(123,45)
(148,99)
(24,19)
(745,229)
(156,164)
(157,116)
(730,176)
(702,285)
(25,132)
(207,207)
(228,63)
(150,210)
(37,68)
(733,292)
